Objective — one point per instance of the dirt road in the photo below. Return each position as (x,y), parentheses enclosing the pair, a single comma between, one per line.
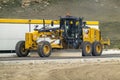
(61,69)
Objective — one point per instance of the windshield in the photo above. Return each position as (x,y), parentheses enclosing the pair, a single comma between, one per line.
(70,28)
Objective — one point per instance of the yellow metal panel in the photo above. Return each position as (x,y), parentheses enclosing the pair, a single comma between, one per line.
(27,21)
(35,35)
(92,35)
(95,35)
(28,40)
(92,22)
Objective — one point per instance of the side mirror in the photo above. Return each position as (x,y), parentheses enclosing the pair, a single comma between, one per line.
(52,23)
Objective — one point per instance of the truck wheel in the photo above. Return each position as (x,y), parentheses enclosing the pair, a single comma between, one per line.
(97,49)
(86,49)
(44,49)
(20,49)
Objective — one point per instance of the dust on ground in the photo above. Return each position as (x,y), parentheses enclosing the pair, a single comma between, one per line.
(60,71)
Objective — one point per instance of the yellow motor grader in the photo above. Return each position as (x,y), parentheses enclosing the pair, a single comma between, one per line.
(72,33)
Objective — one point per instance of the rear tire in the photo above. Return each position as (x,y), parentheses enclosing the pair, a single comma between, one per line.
(44,49)
(86,49)
(97,49)
(20,49)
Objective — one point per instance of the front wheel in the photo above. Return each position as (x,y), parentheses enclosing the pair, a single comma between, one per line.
(20,49)
(44,49)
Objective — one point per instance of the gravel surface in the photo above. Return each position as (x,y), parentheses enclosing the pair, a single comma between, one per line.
(61,67)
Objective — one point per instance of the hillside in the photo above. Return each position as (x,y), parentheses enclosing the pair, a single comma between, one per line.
(105,11)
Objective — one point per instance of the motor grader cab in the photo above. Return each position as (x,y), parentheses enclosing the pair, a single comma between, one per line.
(73,33)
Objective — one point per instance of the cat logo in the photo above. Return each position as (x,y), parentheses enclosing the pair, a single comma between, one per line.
(86,32)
